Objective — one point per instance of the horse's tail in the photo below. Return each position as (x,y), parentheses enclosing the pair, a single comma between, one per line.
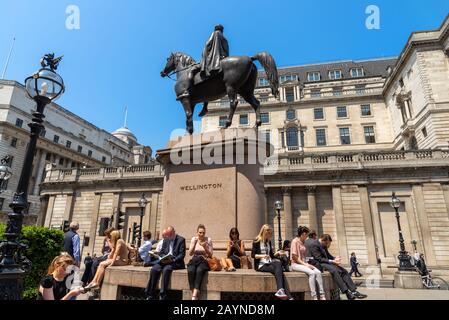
(268,63)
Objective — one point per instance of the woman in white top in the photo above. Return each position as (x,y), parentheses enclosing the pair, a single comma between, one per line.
(200,249)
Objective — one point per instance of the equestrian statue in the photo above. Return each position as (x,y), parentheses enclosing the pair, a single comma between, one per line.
(218,75)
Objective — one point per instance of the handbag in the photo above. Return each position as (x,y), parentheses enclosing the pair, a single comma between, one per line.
(214,264)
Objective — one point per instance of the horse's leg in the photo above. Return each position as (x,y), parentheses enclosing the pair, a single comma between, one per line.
(232,94)
(188,109)
(205,110)
(252,100)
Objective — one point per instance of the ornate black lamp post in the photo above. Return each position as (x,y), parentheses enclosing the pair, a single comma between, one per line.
(278,205)
(43,87)
(142,204)
(5,172)
(404,258)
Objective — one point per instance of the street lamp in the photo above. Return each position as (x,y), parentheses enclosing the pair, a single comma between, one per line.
(44,86)
(278,205)
(5,172)
(404,258)
(142,204)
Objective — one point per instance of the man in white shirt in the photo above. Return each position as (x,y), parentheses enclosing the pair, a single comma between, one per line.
(144,250)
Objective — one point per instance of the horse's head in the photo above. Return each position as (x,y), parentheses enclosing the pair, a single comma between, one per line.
(170,66)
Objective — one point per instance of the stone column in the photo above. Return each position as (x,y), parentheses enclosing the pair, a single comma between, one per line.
(68,212)
(368,225)
(311,203)
(266,205)
(40,172)
(340,221)
(154,214)
(93,223)
(43,211)
(445,188)
(424,225)
(48,215)
(288,212)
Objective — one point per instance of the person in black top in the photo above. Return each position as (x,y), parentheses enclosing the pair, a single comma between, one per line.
(323,260)
(234,250)
(265,260)
(54,286)
(354,266)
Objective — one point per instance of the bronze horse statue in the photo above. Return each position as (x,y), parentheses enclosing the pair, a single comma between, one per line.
(238,76)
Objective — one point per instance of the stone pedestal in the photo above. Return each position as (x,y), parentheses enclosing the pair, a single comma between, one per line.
(214,179)
(407,280)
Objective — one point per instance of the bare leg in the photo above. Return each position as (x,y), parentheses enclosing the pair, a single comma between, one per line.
(101,271)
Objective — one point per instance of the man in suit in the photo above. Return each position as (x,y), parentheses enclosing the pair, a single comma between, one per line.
(318,249)
(354,266)
(176,246)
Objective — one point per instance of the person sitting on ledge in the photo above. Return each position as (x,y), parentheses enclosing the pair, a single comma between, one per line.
(265,261)
(54,285)
(319,250)
(299,263)
(119,256)
(234,251)
(200,249)
(145,248)
(174,249)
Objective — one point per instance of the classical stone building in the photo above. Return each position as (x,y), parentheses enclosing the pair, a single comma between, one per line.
(346,135)
(68,141)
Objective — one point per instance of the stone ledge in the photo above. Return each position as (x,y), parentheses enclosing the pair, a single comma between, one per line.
(243,280)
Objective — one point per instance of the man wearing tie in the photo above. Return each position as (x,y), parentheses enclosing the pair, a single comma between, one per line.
(174,245)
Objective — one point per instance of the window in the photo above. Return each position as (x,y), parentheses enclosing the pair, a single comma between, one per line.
(315,93)
(80,149)
(61,161)
(89,153)
(19,123)
(313,76)
(424,132)
(360,89)
(342,112)
(56,139)
(320,137)
(222,121)
(291,114)
(366,110)
(335,74)
(357,72)
(43,132)
(2,201)
(263,82)
(338,91)
(292,137)
(68,144)
(48,157)
(243,119)
(14,142)
(267,136)
(289,94)
(265,117)
(318,113)
(344,136)
(103,159)
(369,134)
(288,77)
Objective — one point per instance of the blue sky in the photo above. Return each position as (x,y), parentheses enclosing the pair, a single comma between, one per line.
(114,59)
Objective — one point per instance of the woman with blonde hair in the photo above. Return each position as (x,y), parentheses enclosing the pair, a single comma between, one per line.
(265,260)
(55,285)
(118,257)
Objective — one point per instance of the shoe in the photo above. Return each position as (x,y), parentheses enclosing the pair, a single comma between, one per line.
(281,294)
(323,297)
(291,298)
(92,286)
(314,298)
(359,295)
(194,298)
(350,295)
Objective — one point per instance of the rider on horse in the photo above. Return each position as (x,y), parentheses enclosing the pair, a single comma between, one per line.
(215,50)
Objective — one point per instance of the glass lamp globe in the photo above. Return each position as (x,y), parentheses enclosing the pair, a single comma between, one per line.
(278,205)
(395,202)
(143,201)
(45,83)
